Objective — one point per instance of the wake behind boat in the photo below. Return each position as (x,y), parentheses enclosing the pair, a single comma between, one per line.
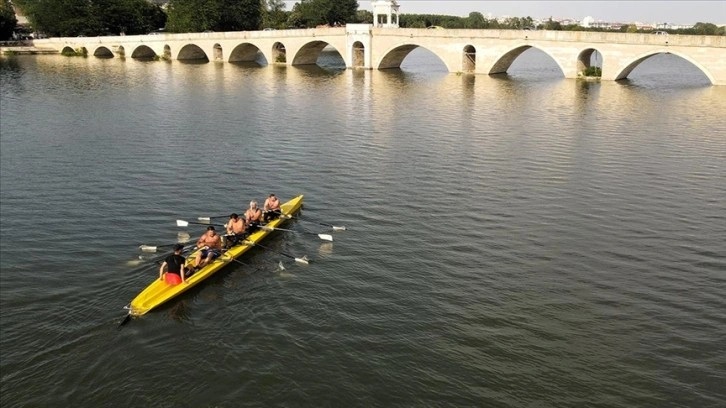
(159,292)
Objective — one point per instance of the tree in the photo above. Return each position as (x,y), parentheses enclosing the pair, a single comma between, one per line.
(705,29)
(476,20)
(8,21)
(215,15)
(128,16)
(310,13)
(274,14)
(65,18)
(364,17)
(70,18)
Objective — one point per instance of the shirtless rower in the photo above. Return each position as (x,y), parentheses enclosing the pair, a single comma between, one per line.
(235,229)
(271,209)
(253,215)
(211,245)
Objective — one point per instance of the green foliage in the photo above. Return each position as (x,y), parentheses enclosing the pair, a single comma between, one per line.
(592,71)
(363,17)
(70,18)
(311,13)
(216,15)
(274,15)
(476,20)
(704,29)
(552,25)
(128,16)
(8,21)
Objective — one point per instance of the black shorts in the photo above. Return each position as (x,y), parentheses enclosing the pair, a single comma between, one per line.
(270,215)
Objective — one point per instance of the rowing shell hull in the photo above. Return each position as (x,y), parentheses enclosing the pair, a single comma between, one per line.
(160,292)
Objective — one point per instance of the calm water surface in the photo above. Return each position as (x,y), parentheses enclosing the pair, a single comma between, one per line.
(512,241)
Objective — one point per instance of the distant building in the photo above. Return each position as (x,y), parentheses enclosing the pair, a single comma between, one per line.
(385,13)
(587,21)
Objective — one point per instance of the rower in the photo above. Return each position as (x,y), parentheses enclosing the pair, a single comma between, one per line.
(235,230)
(271,208)
(253,216)
(210,245)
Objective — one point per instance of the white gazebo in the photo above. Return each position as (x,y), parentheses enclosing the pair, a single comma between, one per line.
(385,13)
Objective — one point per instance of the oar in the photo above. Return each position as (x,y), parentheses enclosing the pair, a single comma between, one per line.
(209,219)
(303,260)
(156,258)
(182,223)
(324,237)
(335,228)
(155,248)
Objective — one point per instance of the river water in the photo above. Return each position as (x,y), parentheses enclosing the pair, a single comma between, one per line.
(512,241)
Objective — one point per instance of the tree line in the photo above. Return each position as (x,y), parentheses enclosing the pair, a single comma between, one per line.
(476,20)
(70,18)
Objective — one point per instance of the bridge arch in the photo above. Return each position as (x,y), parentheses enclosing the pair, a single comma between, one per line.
(103,52)
(308,54)
(192,52)
(279,52)
(504,61)
(584,59)
(625,71)
(143,51)
(358,55)
(218,54)
(469,59)
(395,56)
(78,51)
(245,52)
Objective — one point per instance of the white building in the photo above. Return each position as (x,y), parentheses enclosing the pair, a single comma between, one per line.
(385,13)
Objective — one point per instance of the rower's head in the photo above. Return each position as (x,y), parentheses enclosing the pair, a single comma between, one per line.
(210,230)
(234,216)
(178,247)
(272,196)
(253,204)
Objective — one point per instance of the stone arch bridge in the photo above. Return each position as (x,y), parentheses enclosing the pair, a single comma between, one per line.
(461,50)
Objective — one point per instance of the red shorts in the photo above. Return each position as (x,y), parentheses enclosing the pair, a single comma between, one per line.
(172,279)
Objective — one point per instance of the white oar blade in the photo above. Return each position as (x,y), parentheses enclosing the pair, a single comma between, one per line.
(282,267)
(181,223)
(338,228)
(303,260)
(147,248)
(325,237)
(206,219)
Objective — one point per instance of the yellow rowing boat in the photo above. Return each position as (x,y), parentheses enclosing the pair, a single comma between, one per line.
(159,292)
